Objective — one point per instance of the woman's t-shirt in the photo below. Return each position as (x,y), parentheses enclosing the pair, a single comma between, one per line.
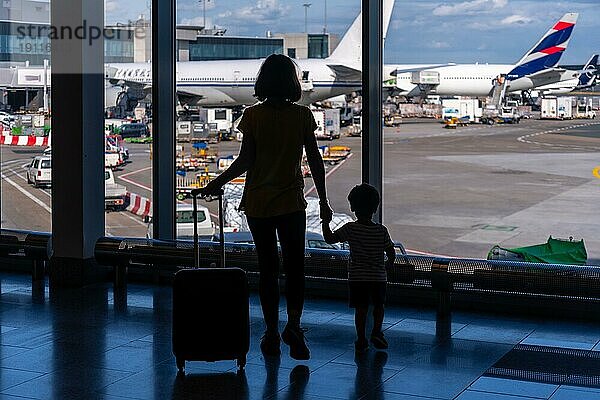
(274,183)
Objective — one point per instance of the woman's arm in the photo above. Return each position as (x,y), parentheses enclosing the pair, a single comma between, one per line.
(241,164)
(328,235)
(317,170)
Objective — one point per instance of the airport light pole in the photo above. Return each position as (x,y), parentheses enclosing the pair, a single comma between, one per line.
(325,24)
(306,6)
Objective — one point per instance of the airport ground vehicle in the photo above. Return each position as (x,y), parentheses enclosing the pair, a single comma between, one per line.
(505,115)
(7,119)
(112,159)
(328,123)
(453,122)
(585,110)
(114,194)
(559,107)
(356,128)
(184,223)
(39,171)
(135,129)
(462,108)
(392,120)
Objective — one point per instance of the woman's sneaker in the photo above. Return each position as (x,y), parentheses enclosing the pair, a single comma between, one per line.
(269,344)
(293,336)
(379,341)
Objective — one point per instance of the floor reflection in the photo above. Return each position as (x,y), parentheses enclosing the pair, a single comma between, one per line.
(369,372)
(225,386)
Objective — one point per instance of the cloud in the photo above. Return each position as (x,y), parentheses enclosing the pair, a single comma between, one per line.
(195,5)
(469,7)
(261,12)
(197,21)
(439,45)
(516,20)
(111,5)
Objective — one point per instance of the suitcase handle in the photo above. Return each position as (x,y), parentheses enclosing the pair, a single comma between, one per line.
(195,194)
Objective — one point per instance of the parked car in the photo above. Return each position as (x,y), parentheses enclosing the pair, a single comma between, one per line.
(313,240)
(39,172)
(135,129)
(114,193)
(184,223)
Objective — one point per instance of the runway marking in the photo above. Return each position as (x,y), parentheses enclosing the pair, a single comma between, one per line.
(596,172)
(134,219)
(526,138)
(124,178)
(26,193)
(331,171)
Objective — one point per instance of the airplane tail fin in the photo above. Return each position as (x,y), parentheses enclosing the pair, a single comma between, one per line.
(547,52)
(587,78)
(349,50)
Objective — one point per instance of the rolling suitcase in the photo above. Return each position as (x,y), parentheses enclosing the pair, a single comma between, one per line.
(210,309)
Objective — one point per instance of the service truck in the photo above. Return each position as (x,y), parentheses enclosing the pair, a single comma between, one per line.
(328,123)
(559,107)
(114,194)
(585,110)
(462,109)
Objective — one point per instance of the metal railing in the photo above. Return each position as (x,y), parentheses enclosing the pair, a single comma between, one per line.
(34,246)
(441,274)
(443,277)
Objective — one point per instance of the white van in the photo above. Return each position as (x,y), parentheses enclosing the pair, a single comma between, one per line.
(39,172)
(184,223)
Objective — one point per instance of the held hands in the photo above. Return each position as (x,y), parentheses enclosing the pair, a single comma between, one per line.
(326,213)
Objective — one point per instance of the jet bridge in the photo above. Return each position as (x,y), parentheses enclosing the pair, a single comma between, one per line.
(425,80)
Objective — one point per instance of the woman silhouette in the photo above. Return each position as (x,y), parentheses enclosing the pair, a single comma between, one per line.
(275,131)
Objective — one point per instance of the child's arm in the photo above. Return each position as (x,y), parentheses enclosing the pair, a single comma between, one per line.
(390,252)
(328,235)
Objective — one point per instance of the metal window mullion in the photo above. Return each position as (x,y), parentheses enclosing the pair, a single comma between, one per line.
(372,78)
(163,118)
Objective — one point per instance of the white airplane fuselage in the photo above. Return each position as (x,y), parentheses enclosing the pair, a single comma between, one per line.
(231,83)
(464,80)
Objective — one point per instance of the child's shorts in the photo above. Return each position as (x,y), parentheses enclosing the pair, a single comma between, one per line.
(361,294)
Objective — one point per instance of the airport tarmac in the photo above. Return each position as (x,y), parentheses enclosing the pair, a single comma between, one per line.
(447,192)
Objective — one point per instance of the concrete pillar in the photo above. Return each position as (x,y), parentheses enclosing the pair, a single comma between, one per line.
(372,81)
(77,141)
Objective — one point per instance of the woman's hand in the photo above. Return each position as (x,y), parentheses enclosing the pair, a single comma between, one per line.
(326,212)
(211,189)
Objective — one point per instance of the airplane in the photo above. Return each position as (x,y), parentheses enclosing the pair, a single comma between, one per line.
(231,82)
(536,68)
(573,80)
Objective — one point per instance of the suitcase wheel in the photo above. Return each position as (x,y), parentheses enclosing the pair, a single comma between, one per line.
(241,362)
(180,364)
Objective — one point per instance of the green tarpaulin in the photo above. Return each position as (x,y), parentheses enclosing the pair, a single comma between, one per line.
(554,251)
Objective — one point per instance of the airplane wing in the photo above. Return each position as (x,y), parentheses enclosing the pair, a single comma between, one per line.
(398,71)
(550,75)
(346,73)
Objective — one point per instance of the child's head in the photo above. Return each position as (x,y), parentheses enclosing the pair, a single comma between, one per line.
(278,80)
(363,199)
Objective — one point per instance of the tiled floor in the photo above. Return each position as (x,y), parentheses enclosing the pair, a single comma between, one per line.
(79,344)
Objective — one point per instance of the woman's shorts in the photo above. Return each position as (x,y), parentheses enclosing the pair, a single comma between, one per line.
(361,294)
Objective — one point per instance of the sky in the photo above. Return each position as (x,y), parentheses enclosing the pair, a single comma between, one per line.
(424,31)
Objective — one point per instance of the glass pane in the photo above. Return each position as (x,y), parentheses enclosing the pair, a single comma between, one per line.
(221,47)
(24,115)
(128,119)
(478,154)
